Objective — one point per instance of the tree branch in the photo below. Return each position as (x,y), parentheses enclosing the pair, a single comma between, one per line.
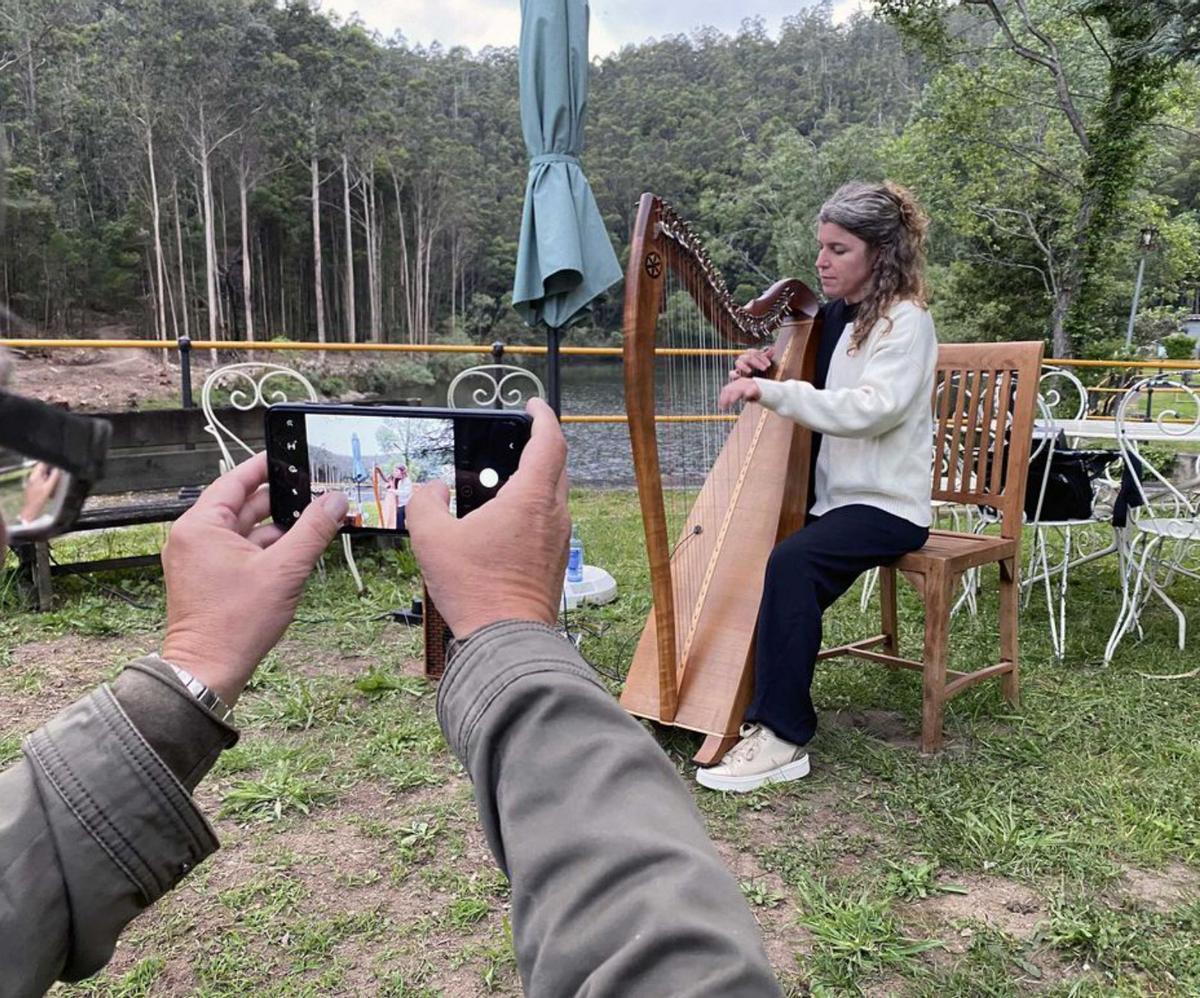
(1050,62)
(1096,38)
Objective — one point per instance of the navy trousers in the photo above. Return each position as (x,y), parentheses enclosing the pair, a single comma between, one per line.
(805,574)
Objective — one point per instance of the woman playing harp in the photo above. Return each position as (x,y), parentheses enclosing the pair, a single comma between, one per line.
(869,497)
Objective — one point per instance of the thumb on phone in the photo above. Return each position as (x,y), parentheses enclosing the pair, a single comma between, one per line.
(308,538)
(427,510)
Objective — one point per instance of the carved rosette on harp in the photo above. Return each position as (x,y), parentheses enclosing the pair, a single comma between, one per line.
(716,493)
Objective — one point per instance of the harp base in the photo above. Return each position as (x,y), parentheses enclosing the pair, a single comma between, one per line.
(711,750)
(714,748)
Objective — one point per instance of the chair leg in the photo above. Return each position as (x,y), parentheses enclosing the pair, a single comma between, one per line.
(34,572)
(868,587)
(937,628)
(887,608)
(1010,595)
(350,563)
(39,568)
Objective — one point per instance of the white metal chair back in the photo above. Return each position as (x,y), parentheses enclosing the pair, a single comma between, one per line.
(256,385)
(1160,496)
(493,386)
(1063,393)
(251,385)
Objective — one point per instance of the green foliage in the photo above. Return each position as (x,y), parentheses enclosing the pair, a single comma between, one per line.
(854,934)
(1179,347)
(1042,188)
(288,786)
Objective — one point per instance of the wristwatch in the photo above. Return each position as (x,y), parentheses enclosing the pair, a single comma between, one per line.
(207,698)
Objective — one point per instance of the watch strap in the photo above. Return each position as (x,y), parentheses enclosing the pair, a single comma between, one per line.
(206,697)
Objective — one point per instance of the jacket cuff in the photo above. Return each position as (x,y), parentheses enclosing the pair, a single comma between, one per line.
(772,393)
(488,661)
(187,737)
(106,793)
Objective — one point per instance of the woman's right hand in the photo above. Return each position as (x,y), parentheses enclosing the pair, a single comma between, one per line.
(752,363)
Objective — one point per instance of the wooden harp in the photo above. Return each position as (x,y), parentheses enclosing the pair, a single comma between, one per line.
(716,493)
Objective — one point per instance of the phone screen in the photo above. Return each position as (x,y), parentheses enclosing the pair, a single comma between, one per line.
(376,459)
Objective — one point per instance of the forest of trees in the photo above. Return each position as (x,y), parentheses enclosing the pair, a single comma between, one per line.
(253,169)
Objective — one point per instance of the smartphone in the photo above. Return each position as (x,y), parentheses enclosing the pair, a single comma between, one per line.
(375,455)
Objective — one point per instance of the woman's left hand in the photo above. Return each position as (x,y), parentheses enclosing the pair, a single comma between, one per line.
(742,390)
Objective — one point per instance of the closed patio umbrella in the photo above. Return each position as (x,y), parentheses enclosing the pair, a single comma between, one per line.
(564,256)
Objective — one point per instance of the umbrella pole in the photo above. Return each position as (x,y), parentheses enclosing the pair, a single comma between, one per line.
(552,383)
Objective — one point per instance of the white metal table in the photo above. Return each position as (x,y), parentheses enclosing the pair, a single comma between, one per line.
(1106,429)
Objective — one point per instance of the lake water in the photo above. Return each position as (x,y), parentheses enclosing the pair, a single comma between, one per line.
(600,454)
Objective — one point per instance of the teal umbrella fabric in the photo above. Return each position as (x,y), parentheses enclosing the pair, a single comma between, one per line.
(564,257)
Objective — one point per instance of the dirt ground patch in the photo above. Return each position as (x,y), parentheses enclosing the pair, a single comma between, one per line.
(43,677)
(886,725)
(1001,904)
(1161,890)
(103,380)
(785,939)
(281,887)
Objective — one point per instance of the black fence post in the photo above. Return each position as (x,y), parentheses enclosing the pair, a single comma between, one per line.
(185,372)
(498,358)
(552,383)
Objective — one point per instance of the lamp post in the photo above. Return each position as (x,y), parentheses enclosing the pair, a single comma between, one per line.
(1146,241)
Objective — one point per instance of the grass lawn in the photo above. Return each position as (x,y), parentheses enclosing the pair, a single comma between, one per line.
(1052,850)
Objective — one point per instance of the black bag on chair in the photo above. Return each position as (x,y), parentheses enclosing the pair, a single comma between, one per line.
(1069,484)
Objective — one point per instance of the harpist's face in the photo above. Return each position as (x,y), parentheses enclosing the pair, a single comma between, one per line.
(844,263)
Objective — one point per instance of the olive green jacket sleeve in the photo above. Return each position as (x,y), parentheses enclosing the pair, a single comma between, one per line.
(97,822)
(616,888)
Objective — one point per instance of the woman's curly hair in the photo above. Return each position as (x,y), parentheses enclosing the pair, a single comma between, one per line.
(888,219)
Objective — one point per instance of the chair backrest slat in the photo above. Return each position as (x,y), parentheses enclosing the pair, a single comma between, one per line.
(989,408)
(972,431)
(954,440)
(1000,429)
(985,399)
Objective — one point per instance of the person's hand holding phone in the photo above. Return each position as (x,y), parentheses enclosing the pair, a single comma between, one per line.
(232,581)
(505,560)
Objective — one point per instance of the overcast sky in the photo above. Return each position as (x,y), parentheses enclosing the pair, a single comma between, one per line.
(477,23)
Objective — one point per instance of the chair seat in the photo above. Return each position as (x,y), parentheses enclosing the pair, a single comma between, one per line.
(958,551)
(1179,529)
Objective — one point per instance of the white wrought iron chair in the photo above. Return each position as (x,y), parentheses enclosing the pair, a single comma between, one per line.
(1162,536)
(493,386)
(1062,396)
(254,385)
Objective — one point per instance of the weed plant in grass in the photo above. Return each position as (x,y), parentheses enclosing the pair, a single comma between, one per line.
(1051,850)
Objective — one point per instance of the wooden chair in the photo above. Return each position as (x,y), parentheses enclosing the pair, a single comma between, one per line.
(985,397)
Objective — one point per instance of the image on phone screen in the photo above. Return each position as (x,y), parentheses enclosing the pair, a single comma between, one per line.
(375,461)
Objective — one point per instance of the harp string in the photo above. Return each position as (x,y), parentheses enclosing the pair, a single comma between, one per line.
(689,450)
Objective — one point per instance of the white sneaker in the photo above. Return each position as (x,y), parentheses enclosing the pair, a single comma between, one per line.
(761,757)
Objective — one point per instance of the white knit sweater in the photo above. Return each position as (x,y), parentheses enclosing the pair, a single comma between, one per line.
(875,413)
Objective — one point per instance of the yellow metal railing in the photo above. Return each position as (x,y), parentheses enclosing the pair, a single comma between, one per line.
(185,346)
(307,347)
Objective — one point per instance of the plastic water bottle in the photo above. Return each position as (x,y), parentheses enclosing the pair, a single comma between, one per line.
(575,557)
